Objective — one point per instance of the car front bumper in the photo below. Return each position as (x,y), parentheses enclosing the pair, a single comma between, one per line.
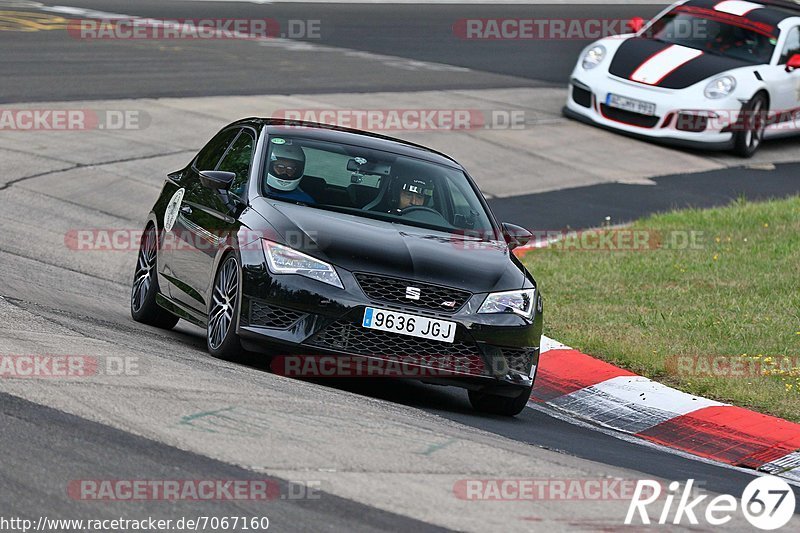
(295,315)
(681,117)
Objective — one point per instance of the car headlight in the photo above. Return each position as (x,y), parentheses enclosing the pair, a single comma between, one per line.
(284,260)
(517,302)
(720,87)
(593,56)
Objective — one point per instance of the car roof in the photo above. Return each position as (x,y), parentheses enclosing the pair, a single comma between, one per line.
(331,133)
(790,5)
(771,12)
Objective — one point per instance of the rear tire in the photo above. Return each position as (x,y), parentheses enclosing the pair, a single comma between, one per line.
(500,405)
(748,139)
(144,289)
(221,337)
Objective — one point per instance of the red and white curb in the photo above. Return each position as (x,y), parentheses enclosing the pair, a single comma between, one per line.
(603,394)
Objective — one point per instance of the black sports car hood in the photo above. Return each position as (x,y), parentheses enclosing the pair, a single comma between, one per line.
(667,65)
(365,245)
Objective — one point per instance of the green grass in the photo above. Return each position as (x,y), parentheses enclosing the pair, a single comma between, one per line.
(736,294)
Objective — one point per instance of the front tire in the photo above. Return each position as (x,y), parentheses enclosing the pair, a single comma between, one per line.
(748,139)
(500,405)
(144,289)
(221,337)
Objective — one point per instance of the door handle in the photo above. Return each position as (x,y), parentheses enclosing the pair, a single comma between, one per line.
(186,210)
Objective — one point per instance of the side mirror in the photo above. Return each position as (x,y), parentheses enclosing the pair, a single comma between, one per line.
(636,24)
(216,179)
(516,235)
(793,63)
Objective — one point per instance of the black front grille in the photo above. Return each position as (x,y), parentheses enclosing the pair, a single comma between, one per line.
(394,290)
(270,316)
(345,336)
(519,359)
(581,96)
(629,117)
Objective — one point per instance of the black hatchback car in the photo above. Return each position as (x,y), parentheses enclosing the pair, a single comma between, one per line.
(288,238)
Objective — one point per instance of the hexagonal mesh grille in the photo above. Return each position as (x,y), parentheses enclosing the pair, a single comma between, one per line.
(434,297)
(269,316)
(519,359)
(345,336)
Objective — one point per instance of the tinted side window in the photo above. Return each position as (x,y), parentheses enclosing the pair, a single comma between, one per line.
(792,45)
(237,160)
(210,155)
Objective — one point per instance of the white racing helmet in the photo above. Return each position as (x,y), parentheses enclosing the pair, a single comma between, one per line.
(286,165)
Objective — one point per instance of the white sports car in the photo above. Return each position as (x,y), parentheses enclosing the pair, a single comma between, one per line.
(703,73)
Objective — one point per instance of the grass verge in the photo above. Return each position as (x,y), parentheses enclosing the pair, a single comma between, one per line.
(707,301)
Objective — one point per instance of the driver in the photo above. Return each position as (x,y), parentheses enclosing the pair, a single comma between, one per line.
(410,191)
(286,165)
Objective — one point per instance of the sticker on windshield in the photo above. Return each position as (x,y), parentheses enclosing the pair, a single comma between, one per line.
(278,140)
(360,160)
(171,213)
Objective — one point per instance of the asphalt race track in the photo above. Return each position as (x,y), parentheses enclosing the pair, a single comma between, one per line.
(382,455)
(152,69)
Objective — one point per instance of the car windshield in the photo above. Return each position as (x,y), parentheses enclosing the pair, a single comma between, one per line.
(716,33)
(374,184)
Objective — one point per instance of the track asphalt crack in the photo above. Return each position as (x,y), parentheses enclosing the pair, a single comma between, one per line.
(115,282)
(13,182)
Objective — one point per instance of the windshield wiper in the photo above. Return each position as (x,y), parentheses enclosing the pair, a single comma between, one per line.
(714,53)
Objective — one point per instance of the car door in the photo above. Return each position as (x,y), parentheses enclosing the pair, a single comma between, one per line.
(214,213)
(786,85)
(188,241)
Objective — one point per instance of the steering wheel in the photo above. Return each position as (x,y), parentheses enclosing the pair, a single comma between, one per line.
(427,215)
(414,208)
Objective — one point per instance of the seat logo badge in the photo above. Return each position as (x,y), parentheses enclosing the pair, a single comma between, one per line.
(413,293)
(449,304)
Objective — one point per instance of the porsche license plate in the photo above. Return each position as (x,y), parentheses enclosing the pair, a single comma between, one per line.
(631,104)
(411,325)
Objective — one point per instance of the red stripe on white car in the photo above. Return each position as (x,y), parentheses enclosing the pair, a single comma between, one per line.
(662,64)
(737,7)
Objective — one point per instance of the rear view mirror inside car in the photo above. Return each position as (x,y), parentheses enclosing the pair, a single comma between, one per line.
(363,166)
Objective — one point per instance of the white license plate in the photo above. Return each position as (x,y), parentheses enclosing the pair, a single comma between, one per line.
(630,104)
(411,325)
